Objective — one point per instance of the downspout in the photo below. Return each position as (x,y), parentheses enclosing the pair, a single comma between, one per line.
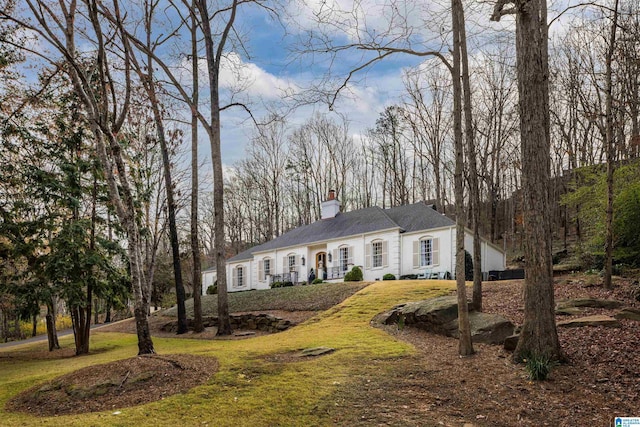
(364,261)
(484,256)
(400,259)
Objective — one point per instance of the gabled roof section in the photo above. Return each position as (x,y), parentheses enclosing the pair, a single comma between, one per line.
(342,225)
(418,216)
(407,218)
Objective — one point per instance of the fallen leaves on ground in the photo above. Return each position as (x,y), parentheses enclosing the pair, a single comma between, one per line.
(118,384)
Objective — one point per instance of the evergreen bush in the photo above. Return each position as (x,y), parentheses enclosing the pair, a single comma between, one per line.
(468,267)
(355,275)
(281,284)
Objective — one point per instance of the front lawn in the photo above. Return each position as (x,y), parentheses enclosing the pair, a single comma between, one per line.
(252,387)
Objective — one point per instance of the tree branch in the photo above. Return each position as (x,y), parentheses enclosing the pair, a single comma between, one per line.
(499,11)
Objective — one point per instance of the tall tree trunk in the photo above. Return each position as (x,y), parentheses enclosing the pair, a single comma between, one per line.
(213,56)
(126,213)
(195,240)
(539,336)
(465,345)
(474,193)
(107,311)
(150,89)
(95,95)
(171,208)
(610,146)
(52,333)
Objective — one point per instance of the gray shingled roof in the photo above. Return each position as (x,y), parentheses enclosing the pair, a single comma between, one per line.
(417,216)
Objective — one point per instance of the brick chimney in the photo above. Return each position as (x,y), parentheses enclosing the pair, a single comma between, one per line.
(330,207)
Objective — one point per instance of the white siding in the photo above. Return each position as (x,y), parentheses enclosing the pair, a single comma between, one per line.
(390,255)
(248,275)
(445,260)
(492,257)
(398,260)
(208,278)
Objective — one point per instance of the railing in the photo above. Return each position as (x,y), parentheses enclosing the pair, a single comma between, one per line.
(286,277)
(335,273)
(293,277)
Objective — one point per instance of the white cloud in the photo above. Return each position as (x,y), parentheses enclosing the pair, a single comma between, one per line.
(240,77)
(237,75)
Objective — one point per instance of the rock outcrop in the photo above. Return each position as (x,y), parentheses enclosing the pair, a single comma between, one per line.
(588,302)
(440,315)
(485,328)
(596,320)
(628,313)
(259,322)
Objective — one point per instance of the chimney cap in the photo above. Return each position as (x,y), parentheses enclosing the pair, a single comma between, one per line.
(332,194)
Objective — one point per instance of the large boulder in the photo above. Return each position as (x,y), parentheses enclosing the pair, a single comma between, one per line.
(597,320)
(485,328)
(432,314)
(440,315)
(568,311)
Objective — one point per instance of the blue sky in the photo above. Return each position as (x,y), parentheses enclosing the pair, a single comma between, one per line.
(270,64)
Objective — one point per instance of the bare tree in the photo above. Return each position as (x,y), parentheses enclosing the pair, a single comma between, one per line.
(198,326)
(496,126)
(216,28)
(106,109)
(145,71)
(264,167)
(373,46)
(539,336)
(465,345)
(469,131)
(429,115)
(610,147)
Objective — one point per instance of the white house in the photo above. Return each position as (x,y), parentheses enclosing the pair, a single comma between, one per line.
(209,277)
(410,239)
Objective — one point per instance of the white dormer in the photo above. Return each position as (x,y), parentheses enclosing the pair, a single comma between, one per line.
(330,207)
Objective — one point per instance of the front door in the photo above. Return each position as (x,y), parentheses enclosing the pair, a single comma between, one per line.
(321,264)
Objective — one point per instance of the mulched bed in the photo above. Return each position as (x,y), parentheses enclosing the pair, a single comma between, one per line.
(437,387)
(117,384)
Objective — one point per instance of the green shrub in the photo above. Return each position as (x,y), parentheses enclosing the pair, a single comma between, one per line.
(280,284)
(168,300)
(355,275)
(538,367)
(213,289)
(468,266)
(389,276)
(62,322)
(316,281)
